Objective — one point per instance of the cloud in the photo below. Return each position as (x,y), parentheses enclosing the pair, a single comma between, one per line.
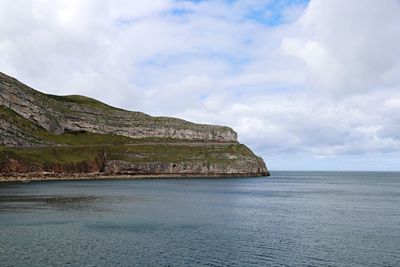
(348,47)
(314,83)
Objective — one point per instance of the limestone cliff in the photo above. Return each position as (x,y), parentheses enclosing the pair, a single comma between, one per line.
(59,114)
(43,133)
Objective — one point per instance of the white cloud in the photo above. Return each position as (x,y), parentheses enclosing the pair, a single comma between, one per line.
(320,82)
(348,46)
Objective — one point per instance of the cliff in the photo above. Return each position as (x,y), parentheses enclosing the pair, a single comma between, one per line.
(60,114)
(61,136)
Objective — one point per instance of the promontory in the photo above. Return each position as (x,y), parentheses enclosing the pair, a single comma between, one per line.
(46,136)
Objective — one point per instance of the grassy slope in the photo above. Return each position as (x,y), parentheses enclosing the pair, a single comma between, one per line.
(82,100)
(78,147)
(131,153)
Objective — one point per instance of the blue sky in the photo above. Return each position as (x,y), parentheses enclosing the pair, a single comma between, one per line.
(307,84)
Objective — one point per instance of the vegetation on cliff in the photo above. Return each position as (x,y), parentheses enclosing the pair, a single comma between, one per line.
(75,134)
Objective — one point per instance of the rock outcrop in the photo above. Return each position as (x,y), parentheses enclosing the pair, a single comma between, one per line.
(65,135)
(59,114)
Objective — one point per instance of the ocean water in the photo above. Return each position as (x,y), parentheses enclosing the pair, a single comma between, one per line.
(288,219)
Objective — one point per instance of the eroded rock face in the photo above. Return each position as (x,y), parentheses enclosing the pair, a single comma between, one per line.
(12,136)
(251,168)
(59,115)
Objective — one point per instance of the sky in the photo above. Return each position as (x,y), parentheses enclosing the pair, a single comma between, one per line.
(308,85)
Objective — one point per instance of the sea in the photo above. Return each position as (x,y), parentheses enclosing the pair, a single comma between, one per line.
(287,219)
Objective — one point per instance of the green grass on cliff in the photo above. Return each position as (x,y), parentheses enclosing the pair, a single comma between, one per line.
(49,155)
(77,147)
(173,153)
(81,100)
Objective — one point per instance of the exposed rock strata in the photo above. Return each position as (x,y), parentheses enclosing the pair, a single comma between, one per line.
(12,136)
(59,115)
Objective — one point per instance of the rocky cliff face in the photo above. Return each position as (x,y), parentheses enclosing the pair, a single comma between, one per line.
(12,136)
(77,113)
(64,135)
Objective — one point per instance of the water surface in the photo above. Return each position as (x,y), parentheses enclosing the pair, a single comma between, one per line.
(288,219)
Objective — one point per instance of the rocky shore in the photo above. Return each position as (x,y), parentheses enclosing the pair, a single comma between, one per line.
(32,177)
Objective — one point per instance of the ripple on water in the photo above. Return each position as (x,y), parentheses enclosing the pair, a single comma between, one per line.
(288,219)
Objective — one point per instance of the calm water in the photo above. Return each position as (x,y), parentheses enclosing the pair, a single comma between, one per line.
(288,219)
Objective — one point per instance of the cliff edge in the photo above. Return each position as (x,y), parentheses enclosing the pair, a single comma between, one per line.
(75,136)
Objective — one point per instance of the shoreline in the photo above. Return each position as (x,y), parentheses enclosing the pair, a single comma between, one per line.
(32,177)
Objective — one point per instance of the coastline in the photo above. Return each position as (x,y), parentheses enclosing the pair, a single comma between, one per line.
(31,177)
